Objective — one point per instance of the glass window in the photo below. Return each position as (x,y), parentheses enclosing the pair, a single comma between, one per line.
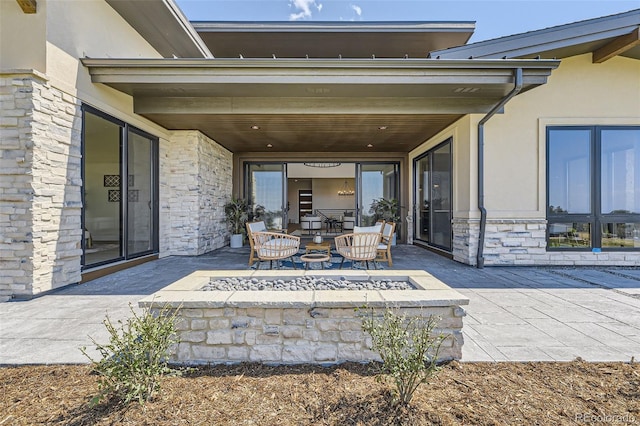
(569,171)
(569,235)
(139,194)
(376,181)
(102,187)
(620,179)
(621,235)
(593,187)
(265,191)
(433,209)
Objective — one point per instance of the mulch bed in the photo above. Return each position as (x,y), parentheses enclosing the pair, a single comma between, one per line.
(248,394)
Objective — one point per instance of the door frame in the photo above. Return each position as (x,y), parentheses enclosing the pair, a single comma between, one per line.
(124,130)
(416,202)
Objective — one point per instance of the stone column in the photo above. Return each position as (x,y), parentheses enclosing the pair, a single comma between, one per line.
(465,240)
(40,186)
(196,174)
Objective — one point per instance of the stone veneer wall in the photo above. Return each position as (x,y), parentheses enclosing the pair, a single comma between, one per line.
(195,183)
(40,186)
(465,240)
(324,335)
(523,242)
(314,326)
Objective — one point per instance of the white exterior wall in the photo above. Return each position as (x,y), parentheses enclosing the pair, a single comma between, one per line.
(22,37)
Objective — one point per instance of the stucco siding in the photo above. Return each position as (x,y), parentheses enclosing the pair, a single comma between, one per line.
(88,28)
(22,37)
(578,92)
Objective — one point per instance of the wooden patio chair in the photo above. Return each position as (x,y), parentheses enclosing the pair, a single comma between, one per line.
(358,247)
(384,248)
(252,227)
(275,246)
(376,227)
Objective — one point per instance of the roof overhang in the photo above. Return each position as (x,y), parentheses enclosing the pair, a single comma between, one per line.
(164,26)
(619,31)
(337,104)
(331,39)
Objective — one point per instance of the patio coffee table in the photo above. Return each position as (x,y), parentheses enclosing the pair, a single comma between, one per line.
(323,246)
(314,258)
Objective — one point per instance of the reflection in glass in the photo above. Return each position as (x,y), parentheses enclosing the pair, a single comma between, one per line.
(433,197)
(102,189)
(621,235)
(140,193)
(567,235)
(377,181)
(423,199)
(266,193)
(441,196)
(569,171)
(620,179)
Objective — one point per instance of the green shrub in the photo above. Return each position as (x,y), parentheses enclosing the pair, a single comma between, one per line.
(135,358)
(408,350)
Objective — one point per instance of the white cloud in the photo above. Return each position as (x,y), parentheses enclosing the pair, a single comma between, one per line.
(304,9)
(357,9)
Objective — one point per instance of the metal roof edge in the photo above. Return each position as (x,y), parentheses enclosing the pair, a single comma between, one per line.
(188,28)
(178,37)
(329,26)
(540,40)
(319,63)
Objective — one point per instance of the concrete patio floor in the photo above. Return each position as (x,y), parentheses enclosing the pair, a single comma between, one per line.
(514,314)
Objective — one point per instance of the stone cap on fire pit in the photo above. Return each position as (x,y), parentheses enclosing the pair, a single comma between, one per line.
(187,292)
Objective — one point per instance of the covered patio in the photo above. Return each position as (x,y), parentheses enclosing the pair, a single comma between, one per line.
(514,314)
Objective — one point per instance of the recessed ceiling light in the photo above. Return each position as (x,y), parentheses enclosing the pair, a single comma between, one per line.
(370,145)
(318,90)
(254,127)
(466,90)
(269,145)
(383,127)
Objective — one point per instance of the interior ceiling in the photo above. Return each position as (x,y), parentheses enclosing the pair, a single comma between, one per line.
(312,133)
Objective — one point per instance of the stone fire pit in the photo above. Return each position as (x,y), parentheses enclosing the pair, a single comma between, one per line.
(303,326)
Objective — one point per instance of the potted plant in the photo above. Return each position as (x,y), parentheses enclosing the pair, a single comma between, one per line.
(387,210)
(237,214)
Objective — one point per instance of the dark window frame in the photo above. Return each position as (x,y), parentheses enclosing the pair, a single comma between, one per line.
(155,176)
(420,157)
(595,218)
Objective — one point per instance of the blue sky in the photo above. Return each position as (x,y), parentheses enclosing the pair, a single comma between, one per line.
(493,18)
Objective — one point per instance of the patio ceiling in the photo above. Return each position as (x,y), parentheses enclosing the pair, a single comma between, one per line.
(304,105)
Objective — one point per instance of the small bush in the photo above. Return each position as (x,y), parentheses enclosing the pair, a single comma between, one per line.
(408,350)
(135,358)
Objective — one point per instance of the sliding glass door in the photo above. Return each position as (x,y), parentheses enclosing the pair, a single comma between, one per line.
(117,159)
(375,181)
(432,199)
(265,189)
(140,194)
